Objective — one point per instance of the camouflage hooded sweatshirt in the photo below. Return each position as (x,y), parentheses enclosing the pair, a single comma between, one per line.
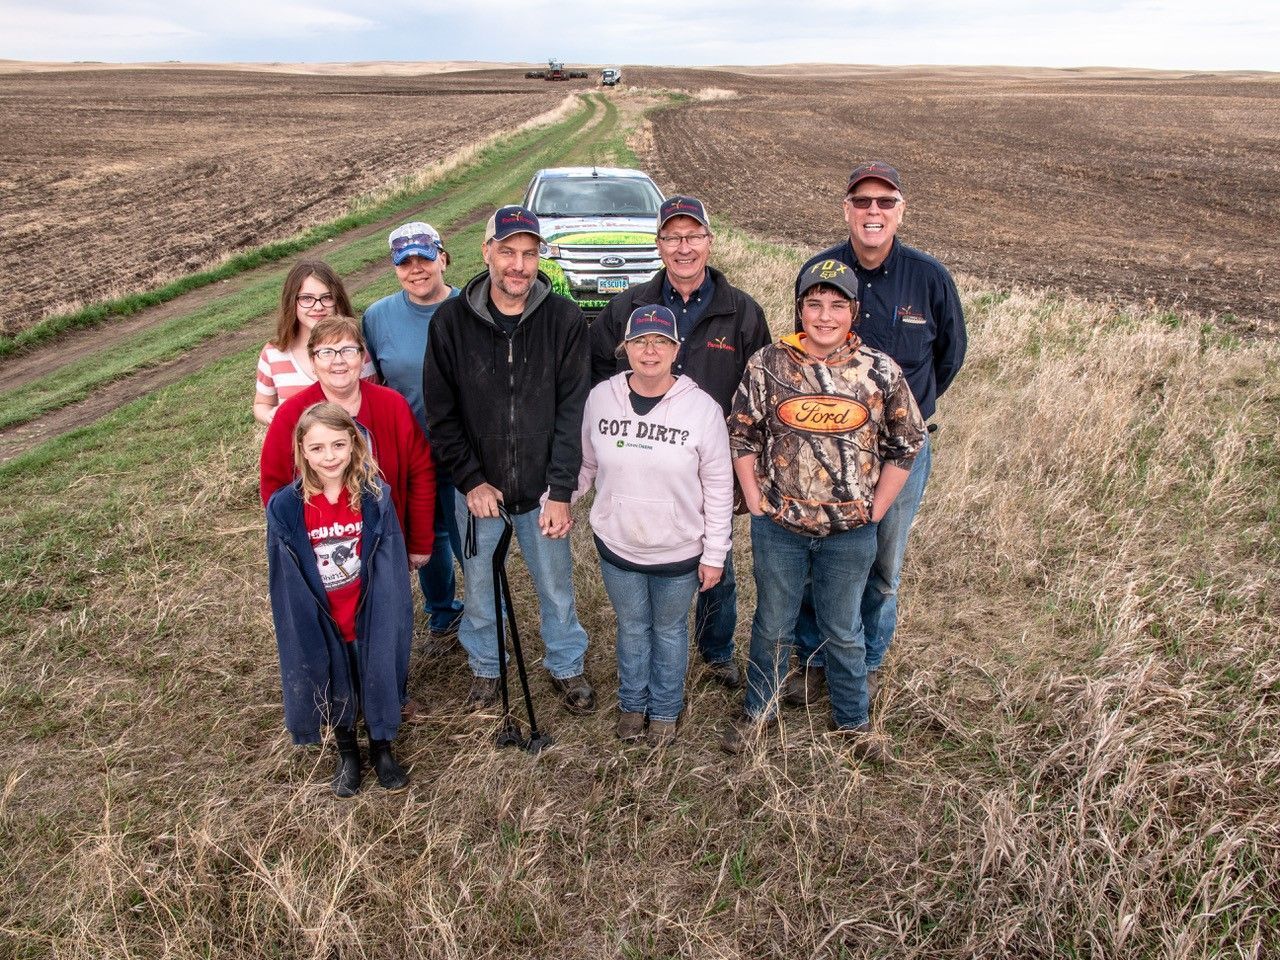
(821,429)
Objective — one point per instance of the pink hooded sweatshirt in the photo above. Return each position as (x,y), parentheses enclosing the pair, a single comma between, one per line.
(664,481)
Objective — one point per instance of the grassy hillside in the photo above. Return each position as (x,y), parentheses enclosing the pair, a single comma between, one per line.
(1083,702)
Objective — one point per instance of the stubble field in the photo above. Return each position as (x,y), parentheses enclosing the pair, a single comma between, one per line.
(1083,701)
(113,181)
(1161,190)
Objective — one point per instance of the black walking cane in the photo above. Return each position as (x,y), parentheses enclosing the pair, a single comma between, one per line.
(509,734)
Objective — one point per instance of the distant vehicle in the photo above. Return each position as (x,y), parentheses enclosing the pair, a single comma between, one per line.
(610,76)
(556,71)
(598,227)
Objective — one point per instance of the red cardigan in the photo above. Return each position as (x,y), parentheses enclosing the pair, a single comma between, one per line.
(399,447)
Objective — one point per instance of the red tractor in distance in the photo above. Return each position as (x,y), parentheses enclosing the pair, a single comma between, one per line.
(556,71)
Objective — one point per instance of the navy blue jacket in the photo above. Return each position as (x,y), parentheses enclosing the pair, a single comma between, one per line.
(909,309)
(314,671)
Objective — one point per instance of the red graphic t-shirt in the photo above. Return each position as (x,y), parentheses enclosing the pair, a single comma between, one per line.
(334,529)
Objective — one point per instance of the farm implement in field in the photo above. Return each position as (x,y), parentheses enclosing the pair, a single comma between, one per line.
(556,71)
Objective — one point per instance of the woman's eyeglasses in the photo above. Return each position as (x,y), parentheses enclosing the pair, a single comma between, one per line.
(306,300)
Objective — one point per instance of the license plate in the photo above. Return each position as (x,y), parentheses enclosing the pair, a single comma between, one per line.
(611,284)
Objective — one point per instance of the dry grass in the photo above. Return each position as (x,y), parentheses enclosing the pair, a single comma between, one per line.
(1083,702)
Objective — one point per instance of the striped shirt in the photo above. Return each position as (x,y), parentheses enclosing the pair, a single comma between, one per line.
(280,377)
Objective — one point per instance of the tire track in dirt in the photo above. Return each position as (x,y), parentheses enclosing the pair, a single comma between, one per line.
(16,370)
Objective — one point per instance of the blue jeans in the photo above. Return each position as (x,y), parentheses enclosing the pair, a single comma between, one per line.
(653,638)
(716,616)
(551,566)
(838,565)
(879,601)
(439,586)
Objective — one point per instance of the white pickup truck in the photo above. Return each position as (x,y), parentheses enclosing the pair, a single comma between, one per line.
(598,228)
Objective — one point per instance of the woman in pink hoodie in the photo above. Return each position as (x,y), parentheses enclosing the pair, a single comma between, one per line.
(657,449)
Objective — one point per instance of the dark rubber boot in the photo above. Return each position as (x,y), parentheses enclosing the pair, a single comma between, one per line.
(391,775)
(346,775)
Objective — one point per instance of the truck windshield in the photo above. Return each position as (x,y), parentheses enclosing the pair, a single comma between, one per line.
(596,197)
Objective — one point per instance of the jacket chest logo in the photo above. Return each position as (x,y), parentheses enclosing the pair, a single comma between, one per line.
(720,343)
(907,315)
(819,413)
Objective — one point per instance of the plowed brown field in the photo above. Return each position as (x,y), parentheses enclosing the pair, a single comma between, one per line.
(1145,188)
(114,180)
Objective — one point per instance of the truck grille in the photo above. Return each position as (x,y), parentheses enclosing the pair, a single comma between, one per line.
(582,266)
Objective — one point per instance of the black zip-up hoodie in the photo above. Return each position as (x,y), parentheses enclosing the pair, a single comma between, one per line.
(508,410)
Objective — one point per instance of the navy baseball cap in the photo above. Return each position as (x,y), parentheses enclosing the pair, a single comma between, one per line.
(682,207)
(507,221)
(414,239)
(875,170)
(655,319)
(833,273)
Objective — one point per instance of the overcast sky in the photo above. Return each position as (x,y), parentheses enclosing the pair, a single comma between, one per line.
(1169,34)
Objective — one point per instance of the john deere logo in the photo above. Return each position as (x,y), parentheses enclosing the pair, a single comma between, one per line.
(823,414)
(613,260)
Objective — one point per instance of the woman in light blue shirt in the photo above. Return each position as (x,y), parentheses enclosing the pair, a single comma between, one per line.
(395,329)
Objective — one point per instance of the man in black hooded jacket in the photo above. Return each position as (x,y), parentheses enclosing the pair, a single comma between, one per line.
(505,381)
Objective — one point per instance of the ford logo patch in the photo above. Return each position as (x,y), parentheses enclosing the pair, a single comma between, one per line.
(613,260)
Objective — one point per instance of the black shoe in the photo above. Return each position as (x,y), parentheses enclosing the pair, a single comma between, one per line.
(391,776)
(725,673)
(346,774)
(482,695)
(575,693)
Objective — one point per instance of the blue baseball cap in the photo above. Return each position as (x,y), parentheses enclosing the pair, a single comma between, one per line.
(654,319)
(414,239)
(507,221)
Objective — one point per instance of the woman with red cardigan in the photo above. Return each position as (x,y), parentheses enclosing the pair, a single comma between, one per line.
(399,447)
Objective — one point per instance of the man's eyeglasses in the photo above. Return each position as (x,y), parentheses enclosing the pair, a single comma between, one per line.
(864,203)
(417,240)
(693,239)
(329,354)
(306,301)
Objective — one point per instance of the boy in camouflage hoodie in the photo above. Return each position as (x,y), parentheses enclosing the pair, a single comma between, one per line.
(823,432)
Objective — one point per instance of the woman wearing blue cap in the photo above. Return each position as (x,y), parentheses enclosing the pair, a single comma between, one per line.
(395,329)
(657,449)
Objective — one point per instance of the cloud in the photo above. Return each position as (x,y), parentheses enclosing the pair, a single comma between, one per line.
(145,29)
(1174,34)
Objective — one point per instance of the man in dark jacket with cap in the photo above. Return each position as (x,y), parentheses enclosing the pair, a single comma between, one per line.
(505,380)
(720,328)
(909,309)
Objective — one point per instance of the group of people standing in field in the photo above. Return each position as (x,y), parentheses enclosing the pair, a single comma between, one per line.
(452,410)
